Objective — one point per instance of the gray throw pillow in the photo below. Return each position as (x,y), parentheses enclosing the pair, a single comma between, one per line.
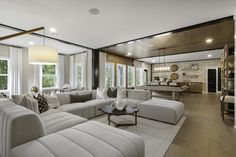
(17,99)
(80,98)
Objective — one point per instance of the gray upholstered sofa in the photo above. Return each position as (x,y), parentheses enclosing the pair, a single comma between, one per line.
(23,133)
(89,109)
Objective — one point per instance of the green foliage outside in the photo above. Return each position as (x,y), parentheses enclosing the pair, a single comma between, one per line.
(108,75)
(80,75)
(138,76)
(49,76)
(3,74)
(130,77)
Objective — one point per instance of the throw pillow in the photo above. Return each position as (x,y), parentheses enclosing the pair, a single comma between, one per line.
(80,98)
(121,93)
(101,93)
(112,92)
(29,102)
(42,103)
(52,101)
(17,99)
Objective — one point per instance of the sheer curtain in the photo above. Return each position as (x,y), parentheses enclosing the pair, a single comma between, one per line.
(102,69)
(72,71)
(81,58)
(60,71)
(15,71)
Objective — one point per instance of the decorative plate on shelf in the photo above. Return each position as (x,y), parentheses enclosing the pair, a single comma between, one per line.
(174,67)
(174,76)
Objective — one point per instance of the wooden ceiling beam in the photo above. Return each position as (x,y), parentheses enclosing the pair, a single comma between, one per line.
(21,33)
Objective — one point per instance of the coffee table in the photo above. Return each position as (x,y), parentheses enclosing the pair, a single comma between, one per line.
(112,111)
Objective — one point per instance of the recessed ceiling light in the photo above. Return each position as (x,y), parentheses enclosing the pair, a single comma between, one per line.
(129,54)
(31,43)
(94,11)
(52,30)
(209,40)
(209,56)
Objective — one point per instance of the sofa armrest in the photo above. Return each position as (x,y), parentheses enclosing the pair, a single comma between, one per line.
(139,94)
(18,125)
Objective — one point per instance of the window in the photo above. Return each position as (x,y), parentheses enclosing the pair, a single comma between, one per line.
(121,75)
(109,75)
(79,74)
(48,76)
(139,76)
(131,78)
(3,74)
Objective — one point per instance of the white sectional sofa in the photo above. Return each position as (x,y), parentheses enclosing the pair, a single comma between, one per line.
(89,109)
(27,134)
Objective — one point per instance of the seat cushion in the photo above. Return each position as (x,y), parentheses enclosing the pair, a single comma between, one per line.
(90,139)
(55,120)
(132,102)
(85,110)
(168,111)
(98,103)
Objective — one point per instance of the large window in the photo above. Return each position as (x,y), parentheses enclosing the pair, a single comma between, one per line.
(139,76)
(131,77)
(3,74)
(121,75)
(79,74)
(48,76)
(109,72)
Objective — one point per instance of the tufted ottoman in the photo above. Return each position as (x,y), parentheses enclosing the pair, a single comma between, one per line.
(168,111)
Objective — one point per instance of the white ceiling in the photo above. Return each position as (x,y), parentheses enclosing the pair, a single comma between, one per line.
(118,21)
(203,55)
(23,41)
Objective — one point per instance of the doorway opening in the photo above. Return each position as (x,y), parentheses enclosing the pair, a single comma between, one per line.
(213,83)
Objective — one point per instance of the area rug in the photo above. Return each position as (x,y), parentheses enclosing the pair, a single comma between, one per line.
(157,136)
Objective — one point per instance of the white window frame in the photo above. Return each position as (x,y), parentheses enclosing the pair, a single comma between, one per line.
(76,74)
(113,73)
(8,77)
(141,76)
(41,77)
(118,75)
(133,76)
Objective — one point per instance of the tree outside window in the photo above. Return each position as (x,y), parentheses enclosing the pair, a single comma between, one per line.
(139,76)
(79,74)
(131,78)
(3,74)
(48,76)
(121,75)
(109,75)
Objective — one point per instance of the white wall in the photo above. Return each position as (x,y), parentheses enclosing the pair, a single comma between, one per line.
(192,76)
(27,72)
(67,69)
(4,51)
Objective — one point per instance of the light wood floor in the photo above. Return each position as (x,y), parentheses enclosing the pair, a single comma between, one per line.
(203,134)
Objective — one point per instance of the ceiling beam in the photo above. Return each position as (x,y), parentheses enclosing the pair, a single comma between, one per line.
(21,33)
(43,36)
(229,18)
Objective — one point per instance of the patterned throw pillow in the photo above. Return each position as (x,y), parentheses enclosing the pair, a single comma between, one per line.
(42,103)
(121,93)
(112,92)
